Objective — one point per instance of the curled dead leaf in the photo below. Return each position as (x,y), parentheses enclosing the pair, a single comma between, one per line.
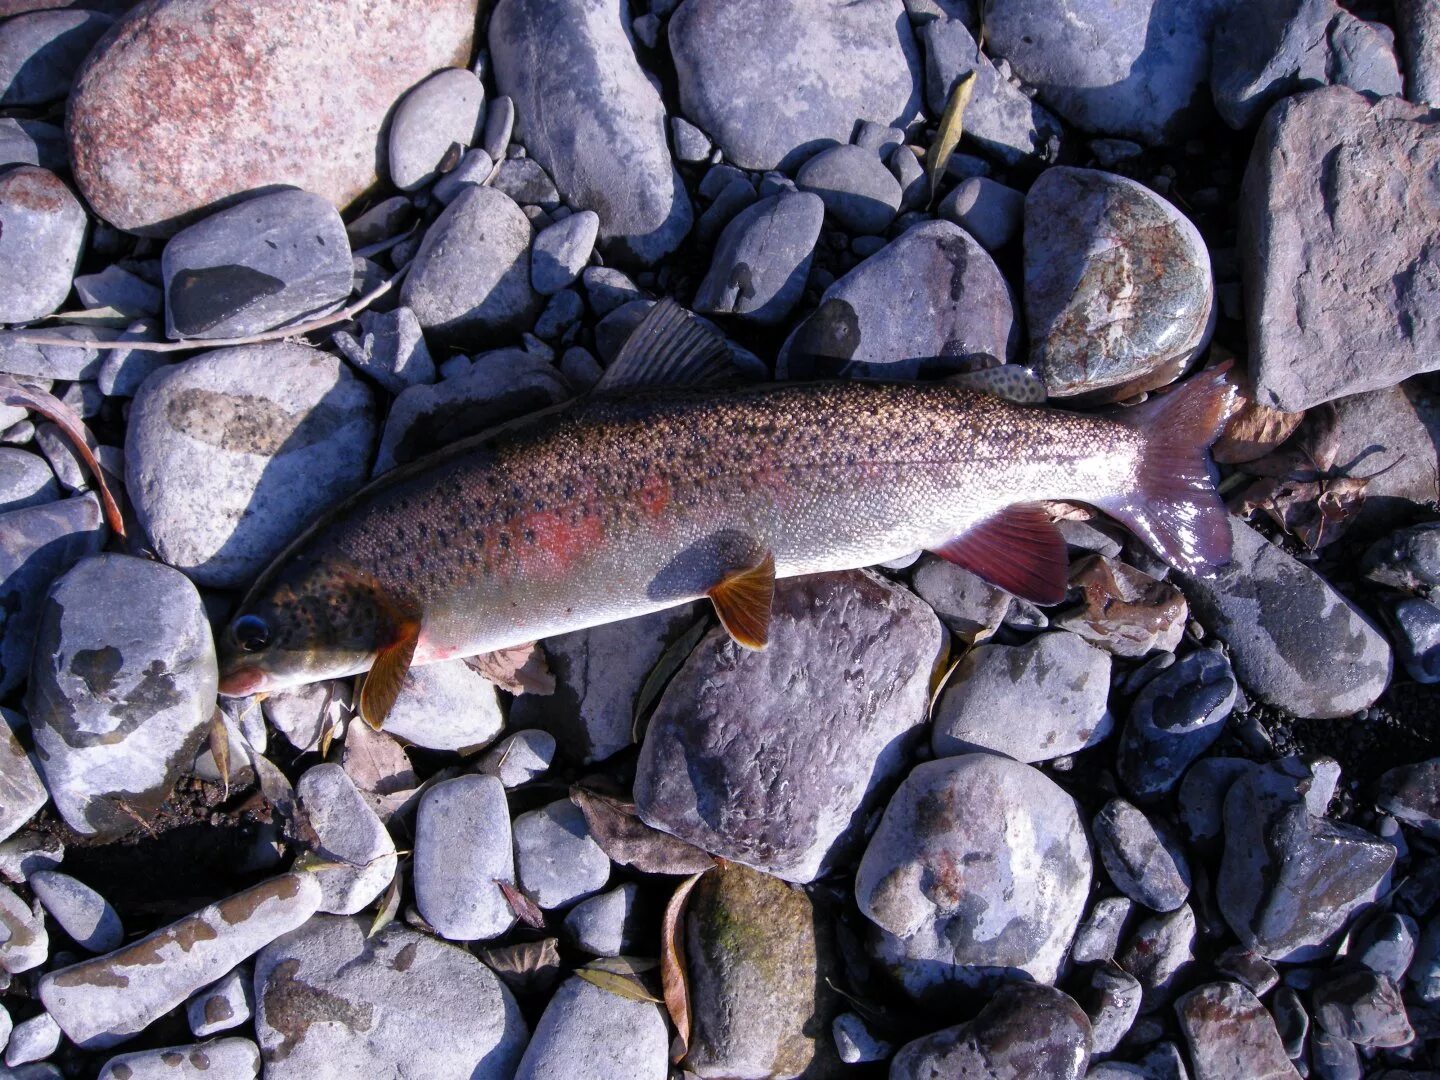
(1254,430)
(524,908)
(947,137)
(522,669)
(389,905)
(528,967)
(625,986)
(627,840)
(220,749)
(674,974)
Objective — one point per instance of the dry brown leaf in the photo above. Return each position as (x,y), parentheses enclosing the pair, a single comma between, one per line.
(522,669)
(220,750)
(524,908)
(950,130)
(629,841)
(674,976)
(619,985)
(529,967)
(389,905)
(1254,430)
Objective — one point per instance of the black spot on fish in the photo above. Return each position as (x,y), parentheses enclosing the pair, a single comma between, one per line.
(205,297)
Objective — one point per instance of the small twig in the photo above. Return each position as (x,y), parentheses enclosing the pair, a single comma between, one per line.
(382,246)
(345,314)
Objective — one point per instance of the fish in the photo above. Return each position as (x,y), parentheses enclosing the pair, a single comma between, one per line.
(668,483)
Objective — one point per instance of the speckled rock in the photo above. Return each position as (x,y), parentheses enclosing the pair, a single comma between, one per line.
(1174,719)
(586,111)
(122,689)
(1285,626)
(42,232)
(923,304)
(557,861)
(40,52)
(333,1004)
(831,707)
(470,280)
(188,105)
(1158,953)
(1310,206)
(1230,1034)
(229,454)
(1098,938)
(1023,1031)
(762,259)
(860,194)
(756,963)
(104,1001)
(1118,290)
(224,1004)
(349,835)
(441,112)
(587,1033)
(261,264)
(220,1059)
(25,943)
(979,868)
(823,66)
(462,850)
(82,913)
(1112,1001)
(1144,861)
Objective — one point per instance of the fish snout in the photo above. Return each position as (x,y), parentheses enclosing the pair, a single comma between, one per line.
(243,681)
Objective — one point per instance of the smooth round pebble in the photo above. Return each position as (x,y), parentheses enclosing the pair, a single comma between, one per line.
(462,851)
(81,911)
(42,232)
(860,194)
(441,112)
(557,861)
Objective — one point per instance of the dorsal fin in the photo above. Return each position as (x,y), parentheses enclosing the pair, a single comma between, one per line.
(670,347)
(1018,550)
(743,600)
(1009,381)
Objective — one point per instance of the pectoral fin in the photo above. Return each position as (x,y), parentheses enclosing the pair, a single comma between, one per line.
(1018,550)
(743,599)
(387,673)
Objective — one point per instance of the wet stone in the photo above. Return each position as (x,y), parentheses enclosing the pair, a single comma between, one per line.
(1292,1022)
(220,1059)
(440,113)
(980,866)
(1144,861)
(853,654)
(21,792)
(24,944)
(229,454)
(462,851)
(122,690)
(104,1001)
(589,1032)
(608,924)
(332,1004)
(1158,950)
(82,913)
(1024,1030)
(1256,973)
(561,251)
(860,194)
(1174,719)
(269,261)
(1058,681)
(1230,1034)
(1118,289)
(222,1005)
(556,859)
(1332,1058)
(762,259)
(42,232)
(1112,1001)
(821,68)
(1123,610)
(389,346)
(924,304)
(519,758)
(1407,559)
(357,855)
(1417,639)
(1387,945)
(1412,794)
(1363,1007)
(1098,938)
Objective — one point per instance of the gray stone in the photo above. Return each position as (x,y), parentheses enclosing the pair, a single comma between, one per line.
(441,112)
(470,280)
(591,1034)
(157,136)
(81,912)
(117,288)
(691,144)
(1256,973)
(24,944)
(1023,1031)
(927,302)
(1158,951)
(1174,719)
(734,197)
(500,386)
(559,321)
(229,454)
(221,1059)
(267,262)
(32,1040)
(527,183)
(1202,797)
(967,604)
(40,52)
(762,259)
(831,707)
(121,371)
(999,119)
(607,289)
(591,719)
(42,232)
(446,706)
(988,211)
(854,1041)
(1407,559)
(32,142)
(387,218)
(1264,52)
(608,924)
(1057,682)
(1412,794)
(980,867)
(882,139)
(104,1001)
(122,690)
(914,184)
(561,251)
(1118,289)
(27,852)
(1135,68)
(1363,1007)
(519,758)
(1417,639)
(1143,860)
(557,861)
(389,347)
(1386,946)
(60,455)
(589,115)
(1098,938)
(1332,1058)
(356,854)
(35,363)
(21,792)
(818,67)
(1230,1034)
(306,714)
(332,1004)
(1310,204)
(860,194)
(1285,626)
(1289,882)
(499,125)
(222,1005)
(475,168)
(462,852)
(1112,1001)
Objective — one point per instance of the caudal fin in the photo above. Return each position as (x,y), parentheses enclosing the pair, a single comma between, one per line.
(1175,507)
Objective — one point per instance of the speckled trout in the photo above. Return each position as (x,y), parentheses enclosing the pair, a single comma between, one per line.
(659,488)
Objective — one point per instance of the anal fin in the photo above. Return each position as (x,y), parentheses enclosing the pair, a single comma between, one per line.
(743,600)
(387,674)
(1018,550)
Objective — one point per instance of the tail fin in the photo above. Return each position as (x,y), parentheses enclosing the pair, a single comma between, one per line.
(1175,507)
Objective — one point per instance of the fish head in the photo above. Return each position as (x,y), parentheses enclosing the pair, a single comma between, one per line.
(305,620)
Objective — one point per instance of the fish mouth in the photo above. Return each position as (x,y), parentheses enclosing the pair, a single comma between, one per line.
(243,681)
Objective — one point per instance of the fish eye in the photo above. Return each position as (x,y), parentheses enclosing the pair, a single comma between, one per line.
(250,633)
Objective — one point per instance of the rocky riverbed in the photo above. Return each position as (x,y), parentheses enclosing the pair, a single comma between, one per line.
(1174,826)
